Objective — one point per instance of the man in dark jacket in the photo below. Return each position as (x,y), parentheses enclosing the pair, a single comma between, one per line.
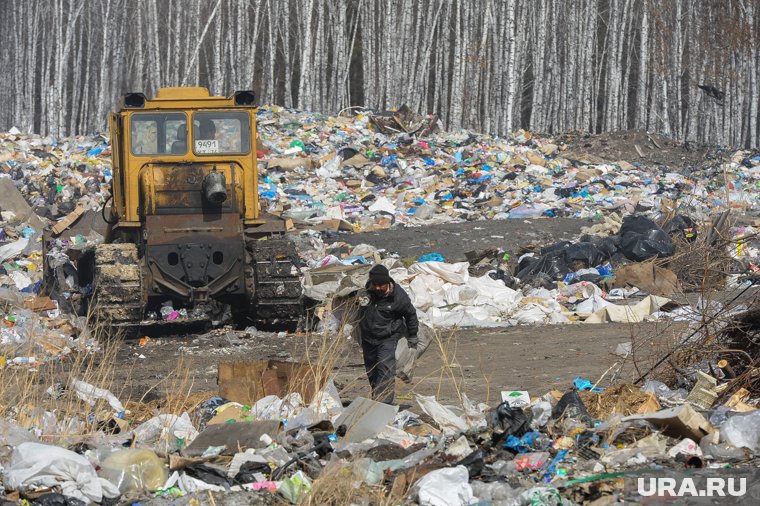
(385,317)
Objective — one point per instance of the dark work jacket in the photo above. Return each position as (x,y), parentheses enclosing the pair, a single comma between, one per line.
(388,317)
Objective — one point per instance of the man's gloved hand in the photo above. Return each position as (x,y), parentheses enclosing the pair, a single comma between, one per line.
(413,341)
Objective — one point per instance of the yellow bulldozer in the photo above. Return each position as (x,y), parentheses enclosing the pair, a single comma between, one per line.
(184,227)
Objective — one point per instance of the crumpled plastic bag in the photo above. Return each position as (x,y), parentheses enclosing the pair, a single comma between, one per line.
(162,432)
(295,487)
(13,249)
(452,420)
(506,420)
(272,407)
(90,394)
(326,402)
(445,487)
(133,470)
(742,431)
(456,274)
(406,357)
(34,466)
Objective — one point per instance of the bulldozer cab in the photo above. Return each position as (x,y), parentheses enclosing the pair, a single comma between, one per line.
(182,130)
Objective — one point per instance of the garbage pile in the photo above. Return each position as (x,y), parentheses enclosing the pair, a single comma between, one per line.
(79,442)
(346,172)
(559,283)
(45,182)
(559,448)
(373,171)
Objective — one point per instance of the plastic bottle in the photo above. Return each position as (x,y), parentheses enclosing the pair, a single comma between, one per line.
(24,360)
(721,452)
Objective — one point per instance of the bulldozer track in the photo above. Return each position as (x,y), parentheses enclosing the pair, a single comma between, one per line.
(117,296)
(277,294)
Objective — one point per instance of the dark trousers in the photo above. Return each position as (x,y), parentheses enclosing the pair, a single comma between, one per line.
(380,363)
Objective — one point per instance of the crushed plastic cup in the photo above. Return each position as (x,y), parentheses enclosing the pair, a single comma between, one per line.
(180,438)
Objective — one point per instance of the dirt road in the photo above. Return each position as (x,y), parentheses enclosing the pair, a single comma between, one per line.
(478,362)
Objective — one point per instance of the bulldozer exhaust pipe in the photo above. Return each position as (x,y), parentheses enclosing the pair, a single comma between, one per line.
(215,188)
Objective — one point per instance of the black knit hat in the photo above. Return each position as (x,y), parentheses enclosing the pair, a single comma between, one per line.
(379,275)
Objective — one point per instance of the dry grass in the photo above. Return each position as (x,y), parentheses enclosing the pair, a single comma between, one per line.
(622,399)
(23,387)
(338,485)
(325,351)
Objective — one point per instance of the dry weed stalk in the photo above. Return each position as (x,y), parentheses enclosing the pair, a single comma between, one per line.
(325,351)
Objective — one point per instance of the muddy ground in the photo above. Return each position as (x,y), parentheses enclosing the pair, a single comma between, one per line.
(478,362)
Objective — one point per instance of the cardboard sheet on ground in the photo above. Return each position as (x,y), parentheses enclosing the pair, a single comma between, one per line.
(364,418)
(648,277)
(679,421)
(636,313)
(15,202)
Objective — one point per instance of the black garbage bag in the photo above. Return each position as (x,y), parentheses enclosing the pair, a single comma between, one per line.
(505,421)
(474,462)
(208,474)
(585,253)
(54,499)
(591,278)
(553,264)
(571,405)
(556,247)
(608,247)
(641,239)
(682,226)
(526,264)
(248,470)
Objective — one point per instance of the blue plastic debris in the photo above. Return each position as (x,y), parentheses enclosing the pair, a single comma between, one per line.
(582,384)
(431,257)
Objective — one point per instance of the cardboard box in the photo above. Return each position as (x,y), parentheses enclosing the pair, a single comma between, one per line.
(248,381)
(680,421)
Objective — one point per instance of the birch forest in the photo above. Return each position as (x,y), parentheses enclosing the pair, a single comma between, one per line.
(685,68)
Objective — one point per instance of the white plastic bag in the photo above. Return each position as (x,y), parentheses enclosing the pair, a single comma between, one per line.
(159,432)
(445,487)
(90,394)
(12,249)
(742,431)
(37,466)
(406,357)
(456,274)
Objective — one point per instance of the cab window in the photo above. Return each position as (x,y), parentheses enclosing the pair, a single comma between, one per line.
(221,133)
(158,133)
